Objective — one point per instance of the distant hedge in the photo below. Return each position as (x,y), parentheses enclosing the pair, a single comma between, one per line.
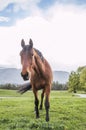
(9,86)
(59,86)
(55,86)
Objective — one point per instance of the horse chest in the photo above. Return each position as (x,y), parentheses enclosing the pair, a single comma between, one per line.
(38,82)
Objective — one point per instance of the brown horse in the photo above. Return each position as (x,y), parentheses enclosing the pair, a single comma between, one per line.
(36,68)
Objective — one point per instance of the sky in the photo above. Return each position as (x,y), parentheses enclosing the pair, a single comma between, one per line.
(57,28)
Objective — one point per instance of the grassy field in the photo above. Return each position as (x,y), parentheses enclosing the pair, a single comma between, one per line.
(67,112)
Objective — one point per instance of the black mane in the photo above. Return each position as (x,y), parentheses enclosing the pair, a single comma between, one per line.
(39,53)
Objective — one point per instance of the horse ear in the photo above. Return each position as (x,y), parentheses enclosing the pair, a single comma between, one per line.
(31,42)
(22,43)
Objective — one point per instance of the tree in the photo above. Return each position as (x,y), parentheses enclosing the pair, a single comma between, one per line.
(83,79)
(79,70)
(74,81)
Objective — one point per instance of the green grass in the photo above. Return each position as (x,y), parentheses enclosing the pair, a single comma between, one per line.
(67,112)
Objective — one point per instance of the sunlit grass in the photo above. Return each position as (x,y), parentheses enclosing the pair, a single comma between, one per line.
(67,112)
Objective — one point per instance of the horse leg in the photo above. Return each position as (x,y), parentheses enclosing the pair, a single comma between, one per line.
(47,104)
(42,97)
(36,104)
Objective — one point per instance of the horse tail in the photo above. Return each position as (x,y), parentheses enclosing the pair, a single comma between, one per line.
(25,87)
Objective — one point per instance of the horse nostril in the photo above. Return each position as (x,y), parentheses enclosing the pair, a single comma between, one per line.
(25,76)
(21,74)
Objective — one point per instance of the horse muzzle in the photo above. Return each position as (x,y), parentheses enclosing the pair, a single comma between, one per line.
(25,76)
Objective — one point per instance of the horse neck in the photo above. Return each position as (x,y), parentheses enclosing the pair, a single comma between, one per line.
(39,65)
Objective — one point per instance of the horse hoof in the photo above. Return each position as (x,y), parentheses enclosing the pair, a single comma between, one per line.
(40,108)
(37,117)
(47,119)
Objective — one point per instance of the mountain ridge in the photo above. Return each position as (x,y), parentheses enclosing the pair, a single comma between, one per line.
(13,76)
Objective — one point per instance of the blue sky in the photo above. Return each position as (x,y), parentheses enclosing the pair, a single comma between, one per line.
(57,28)
(13,10)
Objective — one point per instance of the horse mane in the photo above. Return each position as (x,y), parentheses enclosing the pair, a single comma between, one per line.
(41,65)
(39,60)
(40,54)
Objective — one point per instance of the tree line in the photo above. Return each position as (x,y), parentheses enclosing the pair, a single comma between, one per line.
(9,86)
(55,86)
(58,86)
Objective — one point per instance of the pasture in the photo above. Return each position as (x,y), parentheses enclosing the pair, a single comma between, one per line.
(67,112)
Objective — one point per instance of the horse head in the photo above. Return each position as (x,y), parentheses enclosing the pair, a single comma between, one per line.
(26,58)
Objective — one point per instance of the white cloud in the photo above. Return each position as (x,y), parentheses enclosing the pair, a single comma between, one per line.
(60,35)
(4,19)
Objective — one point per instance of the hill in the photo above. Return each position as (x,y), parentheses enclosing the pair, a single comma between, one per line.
(60,76)
(12,75)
